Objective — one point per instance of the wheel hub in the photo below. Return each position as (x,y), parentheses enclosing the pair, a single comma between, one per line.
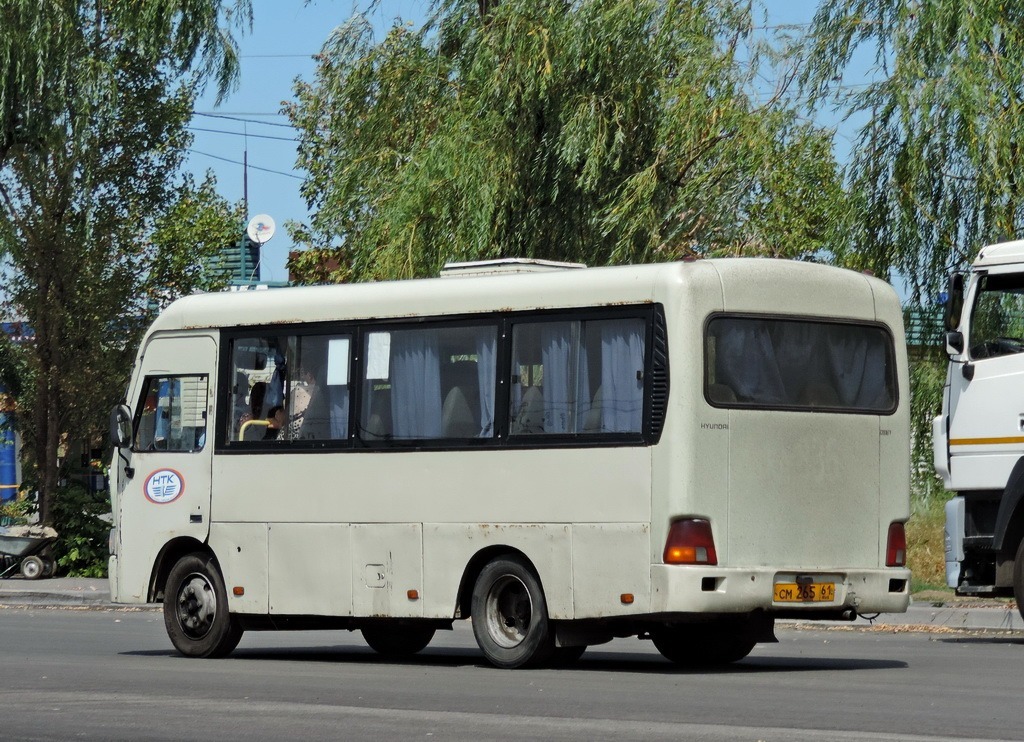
(197,606)
(509,611)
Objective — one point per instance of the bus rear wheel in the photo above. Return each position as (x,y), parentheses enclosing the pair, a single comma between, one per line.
(687,647)
(510,615)
(196,609)
(398,640)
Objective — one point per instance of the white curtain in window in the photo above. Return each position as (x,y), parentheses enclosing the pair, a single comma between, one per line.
(486,370)
(622,386)
(800,355)
(557,353)
(339,411)
(745,361)
(416,384)
(858,366)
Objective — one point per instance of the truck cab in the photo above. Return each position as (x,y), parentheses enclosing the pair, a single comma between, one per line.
(978,438)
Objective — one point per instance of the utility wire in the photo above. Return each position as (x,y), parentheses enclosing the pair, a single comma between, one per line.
(254,167)
(248,121)
(277,56)
(243,134)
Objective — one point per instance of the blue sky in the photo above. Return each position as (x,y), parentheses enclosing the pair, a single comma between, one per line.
(285,35)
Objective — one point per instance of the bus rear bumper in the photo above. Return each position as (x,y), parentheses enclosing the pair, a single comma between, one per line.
(702,589)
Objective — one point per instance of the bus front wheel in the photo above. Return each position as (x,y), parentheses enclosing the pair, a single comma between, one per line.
(510,615)
(196,609)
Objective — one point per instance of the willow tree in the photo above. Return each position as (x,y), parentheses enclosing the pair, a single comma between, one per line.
(94,101)
(604,131)
(936,168)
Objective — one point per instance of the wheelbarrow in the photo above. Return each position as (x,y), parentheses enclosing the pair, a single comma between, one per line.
(27,548)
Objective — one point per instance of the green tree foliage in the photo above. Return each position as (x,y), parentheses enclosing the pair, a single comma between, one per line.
(197,226)
(605,131)
(936,168)
(927,377)
(81,549)
(48,50)
(94,100)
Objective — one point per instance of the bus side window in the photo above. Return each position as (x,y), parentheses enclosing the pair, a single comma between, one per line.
(578,377)
(172,415)
(429,383)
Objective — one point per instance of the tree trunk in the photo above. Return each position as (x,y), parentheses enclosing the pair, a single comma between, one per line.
(46,315)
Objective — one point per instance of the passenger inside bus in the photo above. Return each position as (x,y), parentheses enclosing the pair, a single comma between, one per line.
(276,420)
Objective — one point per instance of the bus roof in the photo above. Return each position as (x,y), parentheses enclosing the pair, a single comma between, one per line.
(633,284)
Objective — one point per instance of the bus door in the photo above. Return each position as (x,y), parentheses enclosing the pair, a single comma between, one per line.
(168,495)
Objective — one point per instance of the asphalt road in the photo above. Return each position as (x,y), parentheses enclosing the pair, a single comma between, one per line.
(111,674)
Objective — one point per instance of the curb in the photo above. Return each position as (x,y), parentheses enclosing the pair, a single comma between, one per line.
(923,616)
(55,592)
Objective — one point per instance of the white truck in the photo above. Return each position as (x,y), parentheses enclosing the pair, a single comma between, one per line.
(979,437)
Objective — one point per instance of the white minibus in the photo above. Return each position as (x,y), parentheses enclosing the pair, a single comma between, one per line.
(682,452)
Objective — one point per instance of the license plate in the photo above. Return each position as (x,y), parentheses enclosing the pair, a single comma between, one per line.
(816,592)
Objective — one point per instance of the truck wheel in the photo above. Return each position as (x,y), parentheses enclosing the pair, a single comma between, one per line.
(196,609)
(510,615)
(1018,578)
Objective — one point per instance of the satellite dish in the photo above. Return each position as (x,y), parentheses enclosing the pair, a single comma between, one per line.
(261,229)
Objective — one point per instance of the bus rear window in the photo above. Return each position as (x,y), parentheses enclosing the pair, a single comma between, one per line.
(789,364)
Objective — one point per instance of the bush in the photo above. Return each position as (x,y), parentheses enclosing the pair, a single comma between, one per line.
(926,555)
(925,537)
(15,512)
(81,548)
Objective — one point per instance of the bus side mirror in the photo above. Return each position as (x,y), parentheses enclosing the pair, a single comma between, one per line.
(120,426)
(954,306)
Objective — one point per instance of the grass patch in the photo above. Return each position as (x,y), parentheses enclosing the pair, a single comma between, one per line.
(926,555)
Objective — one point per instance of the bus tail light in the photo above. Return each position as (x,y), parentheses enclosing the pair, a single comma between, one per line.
(690,542)
(896,547)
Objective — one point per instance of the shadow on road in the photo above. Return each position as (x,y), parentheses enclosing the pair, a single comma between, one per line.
(592,661)
(1007,639)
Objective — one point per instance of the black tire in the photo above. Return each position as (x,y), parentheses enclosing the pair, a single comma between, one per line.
(32,568)
(1018,578)
(691,647)
(398,640)
(196,609)
(510,615)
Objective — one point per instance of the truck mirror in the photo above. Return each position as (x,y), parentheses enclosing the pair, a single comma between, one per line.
(954,304)
(954,343)
(120,426)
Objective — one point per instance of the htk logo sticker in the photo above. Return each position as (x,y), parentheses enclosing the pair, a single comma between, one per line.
(163,486)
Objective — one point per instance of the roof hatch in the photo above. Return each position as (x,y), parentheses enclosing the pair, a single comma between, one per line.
(504,266)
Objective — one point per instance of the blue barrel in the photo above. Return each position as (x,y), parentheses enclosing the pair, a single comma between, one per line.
(8,449)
